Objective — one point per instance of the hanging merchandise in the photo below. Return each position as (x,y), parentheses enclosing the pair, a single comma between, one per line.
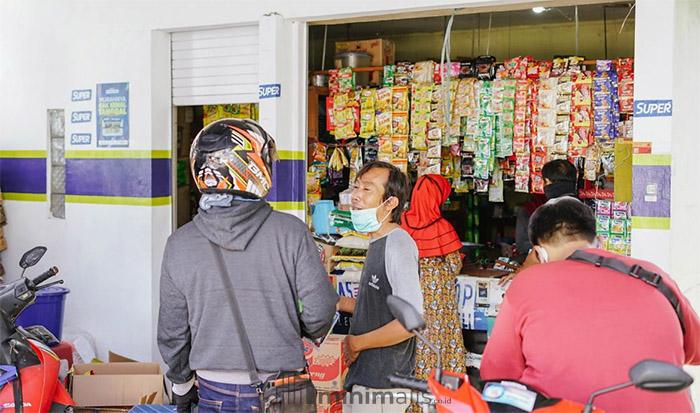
(424,73)
(581,114)
(346,80)
(625,73)
(389,75)
(563,130)
(319,161)
(383,112)
(506,119)
(371,149)
(420,116)
(336,164)
(402,74)
(368,98)
(486,67)
(613,225)
(344,107)
(606,113)
(355,160)
(400,127)
(496,186)
(386,149)
(521,145)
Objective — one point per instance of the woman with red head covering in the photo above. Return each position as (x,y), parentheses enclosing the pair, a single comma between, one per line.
(440,262)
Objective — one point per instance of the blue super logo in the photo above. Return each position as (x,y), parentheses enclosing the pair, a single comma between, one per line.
(81,95)
(653,108)
(80,138)
(81,117)
(269,91)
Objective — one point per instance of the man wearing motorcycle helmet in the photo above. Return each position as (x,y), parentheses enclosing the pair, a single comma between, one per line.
(578,321)
(281,287)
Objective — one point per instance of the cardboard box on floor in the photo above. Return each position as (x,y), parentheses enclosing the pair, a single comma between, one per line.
(120,383)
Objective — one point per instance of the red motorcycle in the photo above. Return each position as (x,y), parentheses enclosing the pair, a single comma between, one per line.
(29,370)
(453,393)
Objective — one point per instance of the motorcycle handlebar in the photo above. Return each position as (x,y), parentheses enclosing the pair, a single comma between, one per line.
(45,276)
(409,383)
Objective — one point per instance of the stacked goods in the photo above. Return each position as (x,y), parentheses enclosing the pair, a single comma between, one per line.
(477,128)
(613,225)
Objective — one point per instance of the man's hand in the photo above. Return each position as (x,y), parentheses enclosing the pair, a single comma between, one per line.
(507,278)
(346,305)
(186,402)
(351,350)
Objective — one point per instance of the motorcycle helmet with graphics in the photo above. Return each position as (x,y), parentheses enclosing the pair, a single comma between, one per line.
(233,156)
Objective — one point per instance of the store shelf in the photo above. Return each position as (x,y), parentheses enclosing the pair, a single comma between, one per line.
(381,68)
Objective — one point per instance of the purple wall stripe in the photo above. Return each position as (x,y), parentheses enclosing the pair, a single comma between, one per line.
(23,175)
(118,177)
(288,181)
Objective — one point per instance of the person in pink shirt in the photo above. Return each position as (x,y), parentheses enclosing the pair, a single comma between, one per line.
(568,328)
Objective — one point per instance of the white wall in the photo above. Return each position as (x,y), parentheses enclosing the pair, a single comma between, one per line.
(110,255)
(685,198)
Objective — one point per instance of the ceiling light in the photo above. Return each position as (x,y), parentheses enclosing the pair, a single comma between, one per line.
(539,10)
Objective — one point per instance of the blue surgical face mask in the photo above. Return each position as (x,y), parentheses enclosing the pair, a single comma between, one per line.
(365,220)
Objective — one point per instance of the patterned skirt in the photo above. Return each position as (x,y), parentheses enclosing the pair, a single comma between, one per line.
(444,328)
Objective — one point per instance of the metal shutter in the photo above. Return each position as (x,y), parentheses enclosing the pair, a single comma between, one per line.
(215,66)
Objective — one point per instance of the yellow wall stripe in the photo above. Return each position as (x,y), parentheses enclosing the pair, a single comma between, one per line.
(292,155)
(22,154)
(18,196)
(118,200)
(651,223)
(651,159)
(118,154)
(288,206)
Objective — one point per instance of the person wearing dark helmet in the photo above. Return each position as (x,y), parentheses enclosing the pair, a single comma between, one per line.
(281,287)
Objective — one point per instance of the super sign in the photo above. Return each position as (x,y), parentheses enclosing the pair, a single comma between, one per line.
(81,117)
(269,91)
(653,108)
(81,95)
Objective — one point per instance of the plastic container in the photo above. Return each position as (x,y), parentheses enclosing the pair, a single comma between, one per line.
(320,217)
(46,311)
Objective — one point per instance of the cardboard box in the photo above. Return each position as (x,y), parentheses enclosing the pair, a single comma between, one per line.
(117,384)
(327,365)
(330,402)
(383,52)
(326,251)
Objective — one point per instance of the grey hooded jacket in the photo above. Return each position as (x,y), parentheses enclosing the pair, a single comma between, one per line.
(268,254)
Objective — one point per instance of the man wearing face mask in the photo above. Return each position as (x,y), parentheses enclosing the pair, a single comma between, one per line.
(378,345)
(579,322)
(559,180)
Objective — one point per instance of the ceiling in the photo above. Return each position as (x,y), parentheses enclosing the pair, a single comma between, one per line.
(555,15)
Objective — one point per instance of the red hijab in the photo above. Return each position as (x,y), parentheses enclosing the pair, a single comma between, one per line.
(433,235)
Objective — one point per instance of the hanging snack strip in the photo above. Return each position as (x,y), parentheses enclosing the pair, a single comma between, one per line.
(521,144)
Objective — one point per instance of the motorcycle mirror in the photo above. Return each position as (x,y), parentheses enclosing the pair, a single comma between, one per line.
(651,375)
(659,376)
(407,315)
(32,257)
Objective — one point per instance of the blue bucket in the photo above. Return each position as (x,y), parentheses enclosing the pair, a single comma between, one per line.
(46,311)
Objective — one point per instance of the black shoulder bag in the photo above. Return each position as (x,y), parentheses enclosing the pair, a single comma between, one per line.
(287,391)
(634,271)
